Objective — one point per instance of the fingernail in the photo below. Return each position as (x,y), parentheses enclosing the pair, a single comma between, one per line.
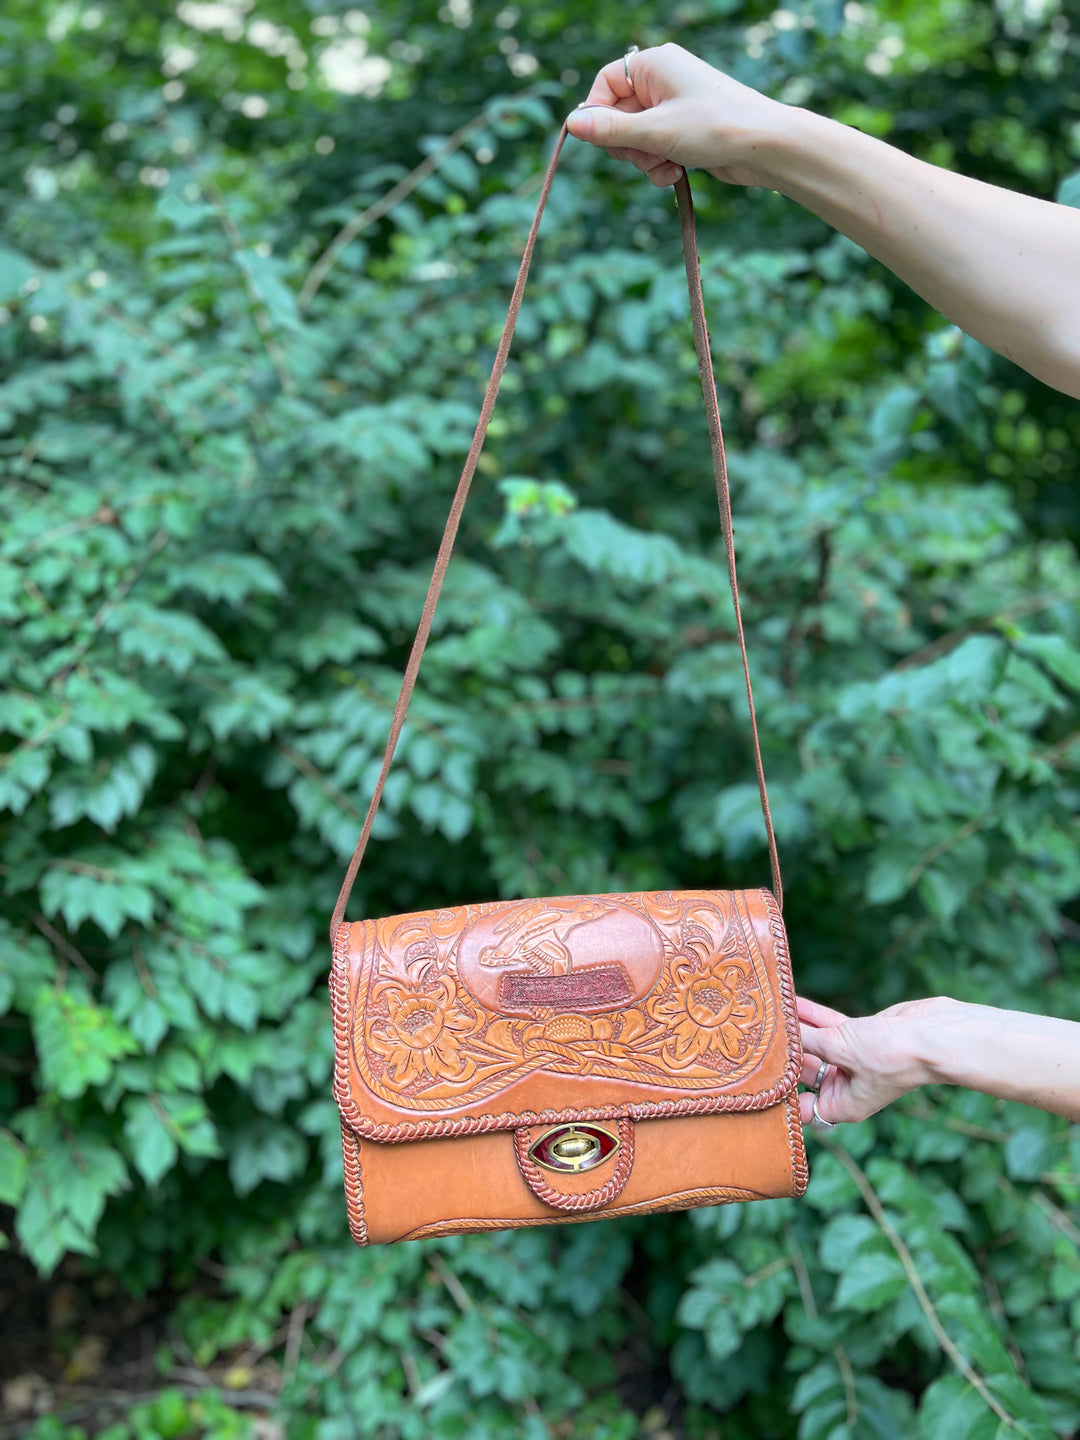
(583,106)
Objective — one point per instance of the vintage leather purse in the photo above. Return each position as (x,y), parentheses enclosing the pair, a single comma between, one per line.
(524,1062)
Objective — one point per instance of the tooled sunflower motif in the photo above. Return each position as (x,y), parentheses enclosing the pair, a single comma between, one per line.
(709,1008)
(422,1032)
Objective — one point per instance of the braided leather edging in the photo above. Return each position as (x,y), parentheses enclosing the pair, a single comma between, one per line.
(800,1170)
(589,1199)
(339,1010)
(354,1185)
(684,1200)
(790,1078)
(479,1124)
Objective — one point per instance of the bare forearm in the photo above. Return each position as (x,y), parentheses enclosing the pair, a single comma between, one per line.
(1031,1058)
(865,1064)
(1004,267)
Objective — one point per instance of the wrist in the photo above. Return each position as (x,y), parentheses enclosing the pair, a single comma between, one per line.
(780,152)
(941,1042)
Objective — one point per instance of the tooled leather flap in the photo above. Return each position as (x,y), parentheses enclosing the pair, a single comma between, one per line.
(522,1012)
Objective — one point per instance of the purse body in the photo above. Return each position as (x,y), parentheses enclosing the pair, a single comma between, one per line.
(532,1062)
(528,1062)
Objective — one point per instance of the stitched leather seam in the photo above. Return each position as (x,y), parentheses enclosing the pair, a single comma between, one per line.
(339,1009)
(800,1170)
(683,1200)
(354,1187)
(790,1078)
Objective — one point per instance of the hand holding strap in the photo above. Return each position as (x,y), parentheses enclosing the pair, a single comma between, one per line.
(716,441)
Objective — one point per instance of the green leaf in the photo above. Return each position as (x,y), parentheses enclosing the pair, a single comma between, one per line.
(871,1281)
(843,1237)
(15,270)
(69,1178)
(952,1409)
(153,1145)
(26,965)
(163,637)
(1030,1151)
(78,1043)
(265,1151)
(108,897)
(889,874)
(1057,654)
(109,800)
(13,1169)
(1069,190)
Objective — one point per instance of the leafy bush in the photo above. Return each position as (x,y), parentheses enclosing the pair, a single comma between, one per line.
(224,484)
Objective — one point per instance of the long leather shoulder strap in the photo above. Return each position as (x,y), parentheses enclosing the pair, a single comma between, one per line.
(716,440)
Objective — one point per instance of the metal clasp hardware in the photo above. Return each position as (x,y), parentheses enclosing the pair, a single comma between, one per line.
(570,1149)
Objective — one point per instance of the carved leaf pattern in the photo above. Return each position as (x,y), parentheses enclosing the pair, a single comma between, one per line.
(427,1043)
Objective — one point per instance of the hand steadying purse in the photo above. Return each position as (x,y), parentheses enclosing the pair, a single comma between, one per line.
(524,1062)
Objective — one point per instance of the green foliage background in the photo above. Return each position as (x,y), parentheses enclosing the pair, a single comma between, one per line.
(223,488)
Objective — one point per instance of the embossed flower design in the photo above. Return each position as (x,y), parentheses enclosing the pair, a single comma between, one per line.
(708,1009)
(422,1033)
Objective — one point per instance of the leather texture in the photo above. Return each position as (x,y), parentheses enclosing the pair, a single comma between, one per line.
(461,1040)
(524,1062)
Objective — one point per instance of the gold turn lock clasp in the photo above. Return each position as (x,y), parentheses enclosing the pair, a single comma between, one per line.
(570,1149)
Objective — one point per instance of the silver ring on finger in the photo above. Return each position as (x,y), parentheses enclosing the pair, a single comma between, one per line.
(818,1121)
(820,1076)
(626,65)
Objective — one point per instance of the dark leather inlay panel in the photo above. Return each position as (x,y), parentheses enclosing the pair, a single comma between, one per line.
(604,986)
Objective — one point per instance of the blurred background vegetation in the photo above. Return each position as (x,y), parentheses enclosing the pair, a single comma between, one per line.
(255,257)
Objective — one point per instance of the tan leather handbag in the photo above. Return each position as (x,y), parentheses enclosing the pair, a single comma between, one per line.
(524,1062)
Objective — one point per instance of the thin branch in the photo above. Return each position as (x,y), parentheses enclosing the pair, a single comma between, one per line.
(169,352)
(275,351)
(56,723)
(806,1293)
(574,702)
(159,541)
(461,1297)
(802,1275)
(359,222)
(952,638)
(103,515)
(311,772)
(920,1111)
(1056,755)
(935,852)
(926,1305)
(909,935)
(774,1267)
(997,1308)
(847,1374)
(66,949)
(294,1340)
(412,1373)
(1056,1216)
(82,867)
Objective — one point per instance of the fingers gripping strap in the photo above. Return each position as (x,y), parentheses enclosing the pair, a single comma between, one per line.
(716,440)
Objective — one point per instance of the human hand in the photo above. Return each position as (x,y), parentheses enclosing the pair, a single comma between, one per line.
(680,112)
(872,1061)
